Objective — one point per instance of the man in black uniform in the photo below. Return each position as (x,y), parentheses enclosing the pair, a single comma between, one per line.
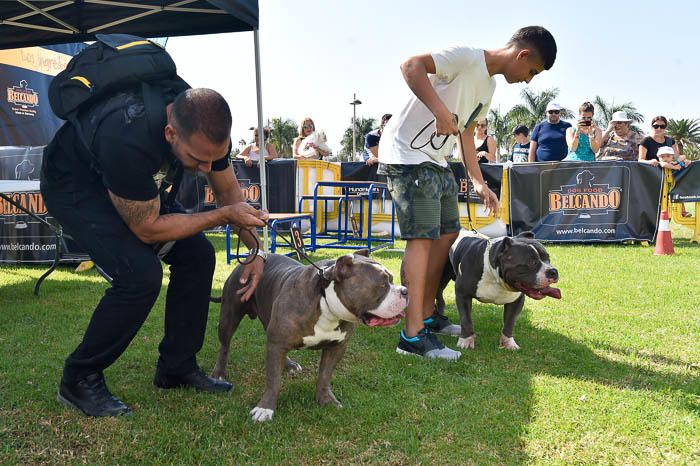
(110,200)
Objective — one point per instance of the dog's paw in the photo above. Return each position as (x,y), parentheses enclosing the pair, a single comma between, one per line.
(508,343)
(467,343)
(328,398)
(259,414)
(293,367)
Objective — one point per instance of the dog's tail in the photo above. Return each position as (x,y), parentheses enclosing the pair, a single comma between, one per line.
(216,300)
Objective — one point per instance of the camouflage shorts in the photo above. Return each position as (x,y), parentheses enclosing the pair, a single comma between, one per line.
(425,197)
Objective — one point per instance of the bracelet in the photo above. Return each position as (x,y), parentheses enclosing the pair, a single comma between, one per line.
(263,254)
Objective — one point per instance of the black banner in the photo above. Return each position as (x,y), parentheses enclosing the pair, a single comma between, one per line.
(491,172)
(585,202)
(26,118)
(196,195)
(360,171)
(687,188)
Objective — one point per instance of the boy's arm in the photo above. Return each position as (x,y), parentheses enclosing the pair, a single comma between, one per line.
(474,172)
(415,72)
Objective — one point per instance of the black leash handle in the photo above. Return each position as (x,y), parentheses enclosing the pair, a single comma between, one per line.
(433,135)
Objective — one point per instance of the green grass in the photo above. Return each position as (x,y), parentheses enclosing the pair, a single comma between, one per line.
(609,374)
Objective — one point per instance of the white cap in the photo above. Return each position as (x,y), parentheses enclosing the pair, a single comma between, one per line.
(665,150)
(620,116)
(553,106)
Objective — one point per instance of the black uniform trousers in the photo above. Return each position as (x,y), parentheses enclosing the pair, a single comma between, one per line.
(89,216)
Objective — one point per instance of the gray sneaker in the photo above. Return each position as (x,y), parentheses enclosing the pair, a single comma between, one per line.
(441,325)
(426,345)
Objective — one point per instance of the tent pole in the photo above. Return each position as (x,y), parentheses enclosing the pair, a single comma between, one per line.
(261,133)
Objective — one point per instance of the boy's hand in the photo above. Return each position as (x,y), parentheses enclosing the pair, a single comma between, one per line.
(488,197)
(446,124)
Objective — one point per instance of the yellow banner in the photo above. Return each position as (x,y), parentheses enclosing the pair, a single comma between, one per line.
(36,59)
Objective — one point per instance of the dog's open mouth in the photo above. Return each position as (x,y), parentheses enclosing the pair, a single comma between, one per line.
(372,320)
(540,293)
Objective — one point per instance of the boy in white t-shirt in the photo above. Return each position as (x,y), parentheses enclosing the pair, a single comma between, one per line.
(457,81)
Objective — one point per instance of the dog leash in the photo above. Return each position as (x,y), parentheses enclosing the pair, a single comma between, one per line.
(431,141)
(253,252)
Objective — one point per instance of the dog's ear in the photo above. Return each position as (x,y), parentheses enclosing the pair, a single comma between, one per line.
(507,242)
(362,252)
(343,267)
(526,234)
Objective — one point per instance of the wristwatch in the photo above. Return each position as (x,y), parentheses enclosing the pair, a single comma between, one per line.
(263,254)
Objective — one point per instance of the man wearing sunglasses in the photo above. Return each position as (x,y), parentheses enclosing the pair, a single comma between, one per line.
(548,140)
(452,89)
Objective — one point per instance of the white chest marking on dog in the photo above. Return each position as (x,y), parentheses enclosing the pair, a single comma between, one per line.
(491,287)
(333,311)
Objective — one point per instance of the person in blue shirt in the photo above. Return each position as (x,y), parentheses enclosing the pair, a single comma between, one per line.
(521,148)
(370,154)
(548,140)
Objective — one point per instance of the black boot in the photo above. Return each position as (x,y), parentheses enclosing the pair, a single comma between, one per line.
(92,397)
(196,379)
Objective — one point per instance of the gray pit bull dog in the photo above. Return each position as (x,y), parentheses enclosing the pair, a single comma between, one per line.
(301,308)
(499,271)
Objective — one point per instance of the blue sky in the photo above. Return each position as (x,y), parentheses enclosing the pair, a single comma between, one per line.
(315,54)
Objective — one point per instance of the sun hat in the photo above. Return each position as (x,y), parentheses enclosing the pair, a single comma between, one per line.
(553,106)
(620,116)
(665,150)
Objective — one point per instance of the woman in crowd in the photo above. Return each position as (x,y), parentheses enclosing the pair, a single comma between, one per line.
(584,140)
(305,129)
(619,141)
(485,144)
(650,145)
(251,153)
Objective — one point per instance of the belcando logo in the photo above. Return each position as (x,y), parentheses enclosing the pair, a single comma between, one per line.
(585,198)
(33,202)
(23,99)
(251,191)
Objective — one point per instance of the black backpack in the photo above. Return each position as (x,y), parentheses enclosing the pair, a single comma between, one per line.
(115,62)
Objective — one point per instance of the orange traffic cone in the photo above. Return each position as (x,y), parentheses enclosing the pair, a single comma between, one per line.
(664,242)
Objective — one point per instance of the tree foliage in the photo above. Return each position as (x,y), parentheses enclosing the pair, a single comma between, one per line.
(686,133)
(362,127)
(282,134)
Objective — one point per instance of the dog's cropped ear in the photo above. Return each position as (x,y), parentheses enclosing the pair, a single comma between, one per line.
(362,252)
(507,242)
(342,268)
(526,234)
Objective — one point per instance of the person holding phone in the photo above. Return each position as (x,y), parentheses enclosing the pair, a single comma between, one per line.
(585,139)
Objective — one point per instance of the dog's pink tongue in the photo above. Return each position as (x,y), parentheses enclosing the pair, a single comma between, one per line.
(375,321)
(551,292)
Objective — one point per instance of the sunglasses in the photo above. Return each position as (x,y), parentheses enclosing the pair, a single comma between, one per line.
(658,126)
(481,125)
(308,127)
(555,112)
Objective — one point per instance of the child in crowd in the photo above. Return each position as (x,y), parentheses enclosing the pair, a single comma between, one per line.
(451,88)
(521,148)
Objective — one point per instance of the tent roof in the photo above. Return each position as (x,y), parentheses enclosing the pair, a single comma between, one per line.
(25,23)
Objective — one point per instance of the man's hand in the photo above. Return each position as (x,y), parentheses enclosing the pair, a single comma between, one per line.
(250,278)
(488,197)
(372,160)
(248,162)
(244,215)
(445,124)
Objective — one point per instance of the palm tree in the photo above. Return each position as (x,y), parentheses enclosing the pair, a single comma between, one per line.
(534,109)
(282,134)
(685,132)
(501,126)
(605,110)
(362,127)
